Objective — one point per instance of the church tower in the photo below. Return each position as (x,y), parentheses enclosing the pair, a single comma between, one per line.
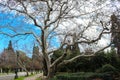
(10,46)
(35,52)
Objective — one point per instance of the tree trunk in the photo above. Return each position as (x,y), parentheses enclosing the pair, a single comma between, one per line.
(118,49)
(50,74)
(45,71)
(27,74)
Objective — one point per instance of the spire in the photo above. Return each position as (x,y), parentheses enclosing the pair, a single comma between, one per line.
(10,45)
(35,52)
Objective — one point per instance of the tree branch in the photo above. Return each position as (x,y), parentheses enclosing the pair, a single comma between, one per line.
(25,13)
(83,55)
(92,41)
(18,34)
(58,59)
(59,15)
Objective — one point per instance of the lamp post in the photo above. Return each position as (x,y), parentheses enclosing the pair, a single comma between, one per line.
(16,70)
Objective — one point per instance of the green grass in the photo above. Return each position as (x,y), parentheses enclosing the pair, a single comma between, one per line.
(20,78)
(5,74)
(2,73)
(23,77)
(38,79)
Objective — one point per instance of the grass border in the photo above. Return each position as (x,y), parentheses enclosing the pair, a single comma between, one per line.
(20,78)
(23,77)
(38,78)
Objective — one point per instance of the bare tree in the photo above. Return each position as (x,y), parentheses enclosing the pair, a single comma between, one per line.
(68,21)
(115,29)
(23,61)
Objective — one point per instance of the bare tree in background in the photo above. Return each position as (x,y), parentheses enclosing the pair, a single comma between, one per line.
(115,30)
(68,21)
(23,61)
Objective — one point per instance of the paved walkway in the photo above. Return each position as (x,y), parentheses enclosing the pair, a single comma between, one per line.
(33,77)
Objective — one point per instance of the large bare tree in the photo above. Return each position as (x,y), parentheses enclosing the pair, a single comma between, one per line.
(67,21)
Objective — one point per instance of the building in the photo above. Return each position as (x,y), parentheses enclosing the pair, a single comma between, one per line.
(8,57)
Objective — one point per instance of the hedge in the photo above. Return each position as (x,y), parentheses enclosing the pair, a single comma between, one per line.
(83,76)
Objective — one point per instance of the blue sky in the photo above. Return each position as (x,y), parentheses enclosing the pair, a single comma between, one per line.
(17,23)
(24,43)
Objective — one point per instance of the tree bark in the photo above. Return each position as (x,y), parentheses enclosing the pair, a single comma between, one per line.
(51,73)
(45,71)
(27,74)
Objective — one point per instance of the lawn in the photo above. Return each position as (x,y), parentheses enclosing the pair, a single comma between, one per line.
(38,79)
(20,78)
(23,77)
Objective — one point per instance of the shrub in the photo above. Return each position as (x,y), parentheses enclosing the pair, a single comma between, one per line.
(101,76)
(74,76)
(108,72)
(108,68)
(84,76)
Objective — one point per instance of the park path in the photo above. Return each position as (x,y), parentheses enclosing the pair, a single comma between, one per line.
(34,77)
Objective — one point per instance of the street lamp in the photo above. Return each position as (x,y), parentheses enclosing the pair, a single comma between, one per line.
(16,70)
